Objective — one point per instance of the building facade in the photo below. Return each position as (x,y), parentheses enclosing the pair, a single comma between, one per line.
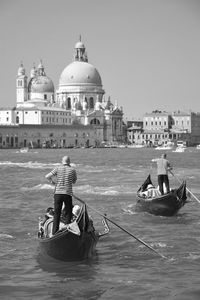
(79,102)
(162,127)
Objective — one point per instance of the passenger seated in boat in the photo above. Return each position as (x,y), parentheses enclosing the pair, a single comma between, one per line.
(75,212)
(46,225)
(150,192)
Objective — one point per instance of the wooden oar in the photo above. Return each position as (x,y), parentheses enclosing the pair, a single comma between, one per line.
(111,221)
(186,187)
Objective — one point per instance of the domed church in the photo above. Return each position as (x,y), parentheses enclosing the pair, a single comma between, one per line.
(80,90)
(79,103)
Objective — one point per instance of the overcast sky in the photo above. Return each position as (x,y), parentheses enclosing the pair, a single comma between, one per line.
(146,51)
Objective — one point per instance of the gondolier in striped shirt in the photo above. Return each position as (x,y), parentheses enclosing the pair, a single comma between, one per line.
(66,176)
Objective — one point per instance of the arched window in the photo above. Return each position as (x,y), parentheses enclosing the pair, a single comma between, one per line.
(95,122)
(69,102)
(19,82)
(17,119)
(91,103)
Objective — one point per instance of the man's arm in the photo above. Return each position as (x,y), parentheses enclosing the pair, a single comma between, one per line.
(169,167)
(49,177)
(155,159)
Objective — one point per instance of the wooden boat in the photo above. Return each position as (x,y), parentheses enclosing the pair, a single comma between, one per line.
(180,149)
(165,205)
(71,244)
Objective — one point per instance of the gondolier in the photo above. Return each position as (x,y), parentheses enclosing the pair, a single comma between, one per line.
(163,205)
(66,177)
(163,166)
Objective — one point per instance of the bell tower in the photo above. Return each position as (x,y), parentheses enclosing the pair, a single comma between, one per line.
(21,85)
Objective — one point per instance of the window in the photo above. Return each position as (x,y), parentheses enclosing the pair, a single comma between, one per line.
(69,102)
(19,82)
(91,103)
(45,97)
(95,122)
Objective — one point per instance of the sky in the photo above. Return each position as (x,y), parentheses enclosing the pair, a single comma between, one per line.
(146,51)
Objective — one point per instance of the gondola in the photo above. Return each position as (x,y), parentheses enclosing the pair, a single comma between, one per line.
(165,205)
(74,242)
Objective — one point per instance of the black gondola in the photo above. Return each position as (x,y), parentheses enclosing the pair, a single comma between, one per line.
(69,244)
(165,205)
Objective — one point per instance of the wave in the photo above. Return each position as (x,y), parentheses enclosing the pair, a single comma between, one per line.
(38,187)
(80,167)
(5,236)
(29,164)
(86,189)
(193,256)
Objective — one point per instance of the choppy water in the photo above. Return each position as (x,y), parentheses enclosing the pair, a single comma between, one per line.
(122,268)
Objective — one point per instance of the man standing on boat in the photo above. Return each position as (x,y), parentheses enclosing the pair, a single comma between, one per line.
(66,177)
(163,166)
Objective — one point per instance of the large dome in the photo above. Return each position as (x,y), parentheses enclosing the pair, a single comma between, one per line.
(80,73)
(41,84)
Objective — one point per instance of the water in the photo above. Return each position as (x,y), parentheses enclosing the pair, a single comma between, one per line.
(122,267)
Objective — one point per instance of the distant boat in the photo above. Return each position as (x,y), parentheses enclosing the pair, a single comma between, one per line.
(135,146)
(181,144)
(180,149)
(167,146)
(24,149)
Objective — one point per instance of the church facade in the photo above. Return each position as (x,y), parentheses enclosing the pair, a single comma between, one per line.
(76,114)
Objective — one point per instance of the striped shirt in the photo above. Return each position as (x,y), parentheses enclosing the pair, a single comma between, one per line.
(66,176)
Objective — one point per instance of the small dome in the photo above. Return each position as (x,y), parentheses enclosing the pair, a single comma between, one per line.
(41,84)
(21,70)
(80,73)
(79,45)
(33,72)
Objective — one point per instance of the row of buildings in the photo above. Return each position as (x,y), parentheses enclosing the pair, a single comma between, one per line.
(78,113)
(160,127)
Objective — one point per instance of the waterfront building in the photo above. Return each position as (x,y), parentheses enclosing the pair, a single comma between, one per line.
(134,128)
(78,108)
(163,127)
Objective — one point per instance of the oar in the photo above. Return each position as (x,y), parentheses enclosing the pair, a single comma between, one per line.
(139,240)
(186,187)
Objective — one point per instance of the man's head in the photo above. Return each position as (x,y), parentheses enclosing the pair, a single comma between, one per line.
(66,160)
(164,155)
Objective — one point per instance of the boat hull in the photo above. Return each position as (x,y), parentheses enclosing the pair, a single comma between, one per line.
(166,205)
(67,246)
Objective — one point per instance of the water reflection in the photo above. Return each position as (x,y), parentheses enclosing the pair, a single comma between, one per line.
(71,270)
